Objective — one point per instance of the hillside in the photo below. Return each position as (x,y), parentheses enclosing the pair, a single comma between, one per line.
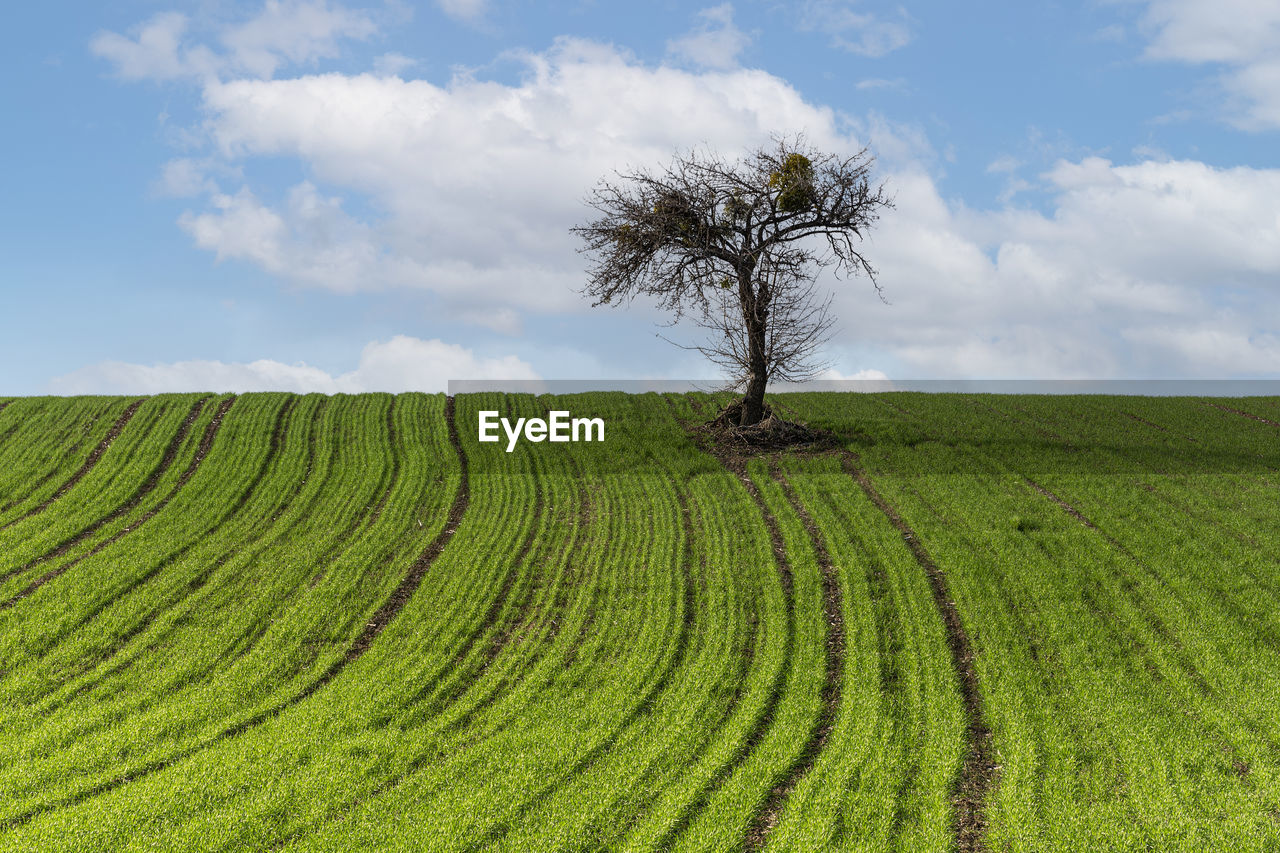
(278,622)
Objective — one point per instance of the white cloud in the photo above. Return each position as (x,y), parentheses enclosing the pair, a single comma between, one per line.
(1003,163)
(866,374)
(463,10)
(1243,35)
(400,364)
(184,177)
(1146,268)
(285,31)
(479,181)
(1152,269)
(393,64)
(156,52)
(871,83)
(715,43)
(295,31)
(312,240)
(862,33)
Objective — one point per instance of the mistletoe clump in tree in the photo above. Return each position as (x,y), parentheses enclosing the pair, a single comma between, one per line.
(739,245)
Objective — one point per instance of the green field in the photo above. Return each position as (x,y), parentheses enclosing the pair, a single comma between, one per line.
(277,622)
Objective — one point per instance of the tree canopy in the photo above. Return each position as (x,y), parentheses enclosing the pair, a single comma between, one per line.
(740,245)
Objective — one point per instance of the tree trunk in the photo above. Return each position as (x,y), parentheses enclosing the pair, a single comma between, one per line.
(753,402)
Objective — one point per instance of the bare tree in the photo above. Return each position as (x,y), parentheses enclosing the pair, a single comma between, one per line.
(740,245)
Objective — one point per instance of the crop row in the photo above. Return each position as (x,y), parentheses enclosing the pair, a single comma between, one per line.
(1123,650)
(313,623)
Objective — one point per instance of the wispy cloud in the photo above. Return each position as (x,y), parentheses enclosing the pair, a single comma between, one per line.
(714,43)
(863,33)
(284,32)
(1242,36)
(463,10)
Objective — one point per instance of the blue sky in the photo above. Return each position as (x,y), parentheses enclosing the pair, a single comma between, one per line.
(313,195)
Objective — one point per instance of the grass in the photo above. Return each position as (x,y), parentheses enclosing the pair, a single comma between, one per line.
(628,645)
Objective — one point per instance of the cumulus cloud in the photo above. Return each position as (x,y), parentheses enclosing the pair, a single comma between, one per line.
(311,241)
(479,181)
(1155,267)
(1149,269)
(285,31)
(1243,35)
(714,43)
(156,51)
(400,364)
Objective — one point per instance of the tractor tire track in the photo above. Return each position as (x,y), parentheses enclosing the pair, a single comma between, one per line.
(1250,415)
(382,617)
(94,456)
(1156,426)
(497,643)
(979,773)
(736,466)
(639,710)
(150,618)
(1157,625)
(276,438)
(761,724)
(395,471)
(132,502)
(770,812)
(491,614)
(73,447)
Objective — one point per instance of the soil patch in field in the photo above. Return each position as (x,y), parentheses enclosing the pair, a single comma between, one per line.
(773,432)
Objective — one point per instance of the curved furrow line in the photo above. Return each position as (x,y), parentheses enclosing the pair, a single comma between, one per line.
(742,685)
(395,472)
(498,642)
(153,704)
(276,437)
(33,485)
(765,718)
(979,774)
(833,609)
(1131,416)
(637,712)
(71,448)
(387,612)
(150,618)
(552,625)
(142,491)
(1250,415)
(94,456)
(1158,625)
(4,436)
(491,614)
(342,543)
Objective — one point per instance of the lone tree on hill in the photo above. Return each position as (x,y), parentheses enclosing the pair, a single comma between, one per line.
(741,245)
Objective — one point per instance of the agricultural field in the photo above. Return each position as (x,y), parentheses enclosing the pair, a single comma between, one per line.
(965,622)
